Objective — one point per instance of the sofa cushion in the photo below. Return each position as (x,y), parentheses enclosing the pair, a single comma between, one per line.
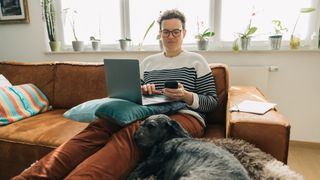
(4,81)
(19,102)
(76,83)
(85,112)
(49,129)
(123,112)
(39,74)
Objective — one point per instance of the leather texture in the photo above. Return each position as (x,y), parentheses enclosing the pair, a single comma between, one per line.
(67,84)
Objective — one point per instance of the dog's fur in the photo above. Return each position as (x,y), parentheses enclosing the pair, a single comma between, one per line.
(175,155)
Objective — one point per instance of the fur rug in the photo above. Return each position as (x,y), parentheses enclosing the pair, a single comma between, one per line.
(258,164)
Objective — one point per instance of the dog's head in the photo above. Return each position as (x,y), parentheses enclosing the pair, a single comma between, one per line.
(157,129)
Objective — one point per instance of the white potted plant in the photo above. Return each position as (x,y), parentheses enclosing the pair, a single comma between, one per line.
(95,43)
(77,45)
(50,19)
(203,38)
(294,40)
(124,43)
(246,36)
(276,38)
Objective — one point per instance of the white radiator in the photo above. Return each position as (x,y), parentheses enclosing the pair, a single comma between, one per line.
(251,76)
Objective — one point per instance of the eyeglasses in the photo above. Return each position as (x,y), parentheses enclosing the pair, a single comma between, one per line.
(175,33)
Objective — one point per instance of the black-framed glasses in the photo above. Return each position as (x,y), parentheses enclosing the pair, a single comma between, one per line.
(175,33)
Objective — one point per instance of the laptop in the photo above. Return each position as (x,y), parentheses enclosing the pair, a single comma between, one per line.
(123,82)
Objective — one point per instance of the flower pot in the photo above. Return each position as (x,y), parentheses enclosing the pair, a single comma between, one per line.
(96,45)
(124,44)
(275,42)
(245,43)
(203,44)
(294,42)
(55,46)
(78,45)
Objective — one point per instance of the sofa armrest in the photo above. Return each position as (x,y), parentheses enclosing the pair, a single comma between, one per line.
(270,132)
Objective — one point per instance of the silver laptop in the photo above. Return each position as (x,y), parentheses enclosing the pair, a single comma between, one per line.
(123,82)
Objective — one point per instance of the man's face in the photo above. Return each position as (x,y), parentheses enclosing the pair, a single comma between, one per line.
(172,34)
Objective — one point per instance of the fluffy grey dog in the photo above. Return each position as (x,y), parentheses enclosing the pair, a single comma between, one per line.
(173,154)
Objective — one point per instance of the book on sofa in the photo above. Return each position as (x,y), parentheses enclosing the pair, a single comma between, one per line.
(255,107)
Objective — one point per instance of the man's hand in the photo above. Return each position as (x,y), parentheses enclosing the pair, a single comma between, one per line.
(149,89)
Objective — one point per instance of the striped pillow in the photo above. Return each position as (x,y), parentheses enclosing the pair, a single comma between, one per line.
(19,102)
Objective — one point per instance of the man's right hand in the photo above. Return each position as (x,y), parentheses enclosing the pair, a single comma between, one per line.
(149,89)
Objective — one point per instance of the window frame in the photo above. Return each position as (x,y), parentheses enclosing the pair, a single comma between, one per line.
(214,22)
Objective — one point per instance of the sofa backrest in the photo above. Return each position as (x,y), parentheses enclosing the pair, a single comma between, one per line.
(67,84)
(76,83)
(40,74)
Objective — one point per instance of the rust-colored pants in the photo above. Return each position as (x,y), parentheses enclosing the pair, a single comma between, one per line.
(100,151)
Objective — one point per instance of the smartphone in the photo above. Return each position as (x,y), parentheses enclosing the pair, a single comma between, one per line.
(171,84)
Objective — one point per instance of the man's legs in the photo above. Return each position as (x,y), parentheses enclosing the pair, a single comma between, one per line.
(58,163)
(120,155)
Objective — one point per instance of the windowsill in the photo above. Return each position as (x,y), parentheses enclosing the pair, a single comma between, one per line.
(103,51)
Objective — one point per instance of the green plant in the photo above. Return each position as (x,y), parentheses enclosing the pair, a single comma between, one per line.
(125,39)
(146,33)
(92,38)
(50,18)
(206,34)
(235,45)
(248,33)
(302,10)
(278,28)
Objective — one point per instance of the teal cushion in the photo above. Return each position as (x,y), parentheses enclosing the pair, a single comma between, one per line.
(123,112)
(85,112)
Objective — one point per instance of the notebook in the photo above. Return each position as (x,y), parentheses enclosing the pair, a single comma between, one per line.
(123,82)
(255,107)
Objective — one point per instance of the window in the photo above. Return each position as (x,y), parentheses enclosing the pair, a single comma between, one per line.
(115,19)
(141,18)
(98,18)
(235,16)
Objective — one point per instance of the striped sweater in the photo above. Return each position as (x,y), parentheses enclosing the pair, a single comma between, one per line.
(191,70)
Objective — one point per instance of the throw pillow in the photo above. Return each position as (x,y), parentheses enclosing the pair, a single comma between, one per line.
(19,102)
(4,81)
(85,112)
(124,112)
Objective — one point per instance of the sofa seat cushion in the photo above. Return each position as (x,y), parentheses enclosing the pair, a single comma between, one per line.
(49,129)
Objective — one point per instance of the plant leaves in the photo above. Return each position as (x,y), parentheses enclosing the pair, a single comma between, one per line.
(307,10)
(147,31)
(251,31)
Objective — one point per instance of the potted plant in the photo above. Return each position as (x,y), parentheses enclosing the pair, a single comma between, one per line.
(95,43)
(50,18)
(124,43)
(275,39)
(203,38)
(294,40)
(76,44)
(245,37)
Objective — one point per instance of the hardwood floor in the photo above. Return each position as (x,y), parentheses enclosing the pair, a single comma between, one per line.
(304,158)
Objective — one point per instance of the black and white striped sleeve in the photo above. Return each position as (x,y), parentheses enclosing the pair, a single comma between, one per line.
(205,98)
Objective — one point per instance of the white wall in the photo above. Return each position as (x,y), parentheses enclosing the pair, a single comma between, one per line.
(295,87)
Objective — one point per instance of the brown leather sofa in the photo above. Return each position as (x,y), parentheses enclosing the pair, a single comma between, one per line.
(67,84)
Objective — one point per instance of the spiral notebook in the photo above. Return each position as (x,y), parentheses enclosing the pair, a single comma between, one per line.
(255,107)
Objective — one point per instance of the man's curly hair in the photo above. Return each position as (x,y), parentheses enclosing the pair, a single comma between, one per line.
(172,14)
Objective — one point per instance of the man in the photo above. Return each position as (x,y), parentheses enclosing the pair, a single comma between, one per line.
(102,151)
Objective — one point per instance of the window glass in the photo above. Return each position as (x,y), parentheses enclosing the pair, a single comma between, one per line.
(143,12)
(235,17)
(98,18)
